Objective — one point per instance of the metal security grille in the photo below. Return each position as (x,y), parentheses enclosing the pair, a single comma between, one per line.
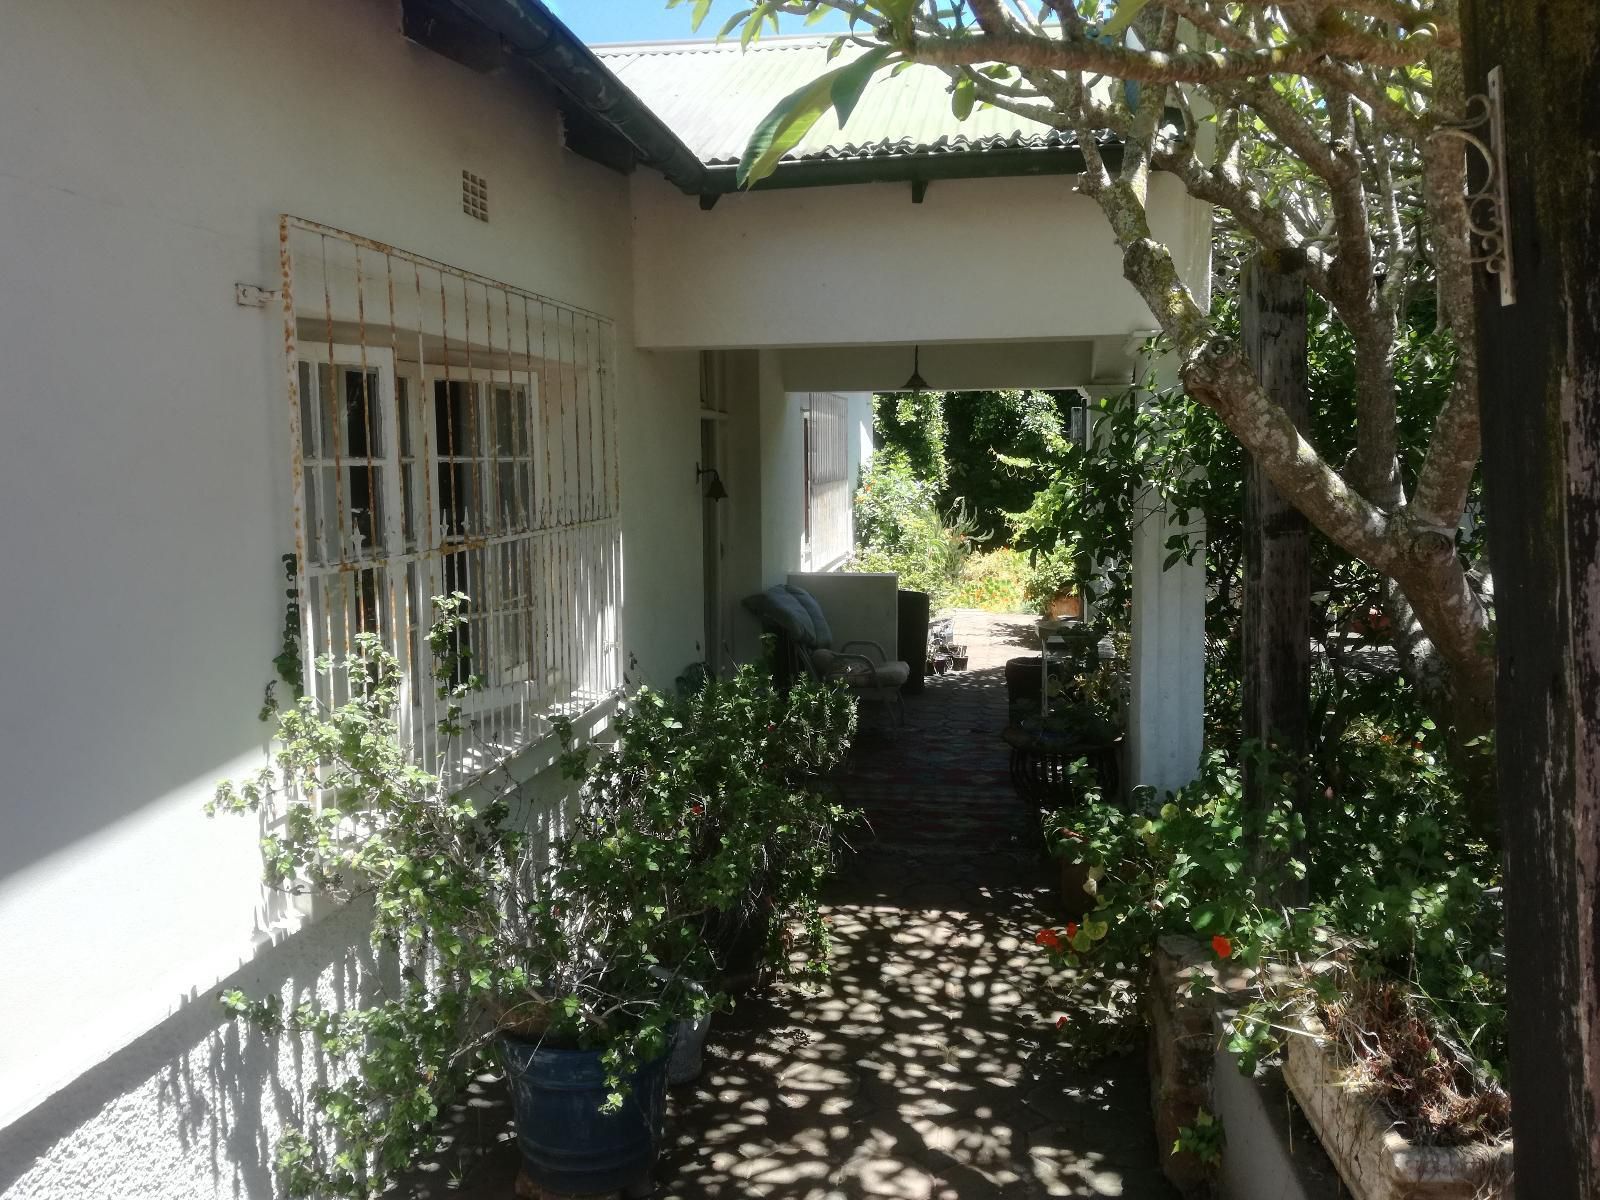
(828,491)
(451,433)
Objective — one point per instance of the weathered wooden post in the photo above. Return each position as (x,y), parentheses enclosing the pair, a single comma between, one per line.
(1277,540)
(1540,360)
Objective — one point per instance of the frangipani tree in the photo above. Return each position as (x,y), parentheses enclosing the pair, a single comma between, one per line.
(1311,126)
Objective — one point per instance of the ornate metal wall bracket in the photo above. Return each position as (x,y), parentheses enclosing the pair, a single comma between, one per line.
(1488,211)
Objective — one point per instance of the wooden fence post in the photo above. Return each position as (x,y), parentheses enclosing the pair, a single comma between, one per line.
(1540,363)
(1276,627)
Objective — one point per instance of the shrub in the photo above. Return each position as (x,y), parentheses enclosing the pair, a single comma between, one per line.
(993,580)
(900,528)
(704,805)
(1394,881)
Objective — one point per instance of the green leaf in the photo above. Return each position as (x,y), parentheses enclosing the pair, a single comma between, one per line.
(733,21)
(851,81)
(796,113)
(898,12)
(752,29)
(1127,12)
(701,8)
(962,99)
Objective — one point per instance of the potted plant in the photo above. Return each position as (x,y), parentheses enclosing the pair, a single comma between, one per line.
(1400,1109)
(570,968)
(1058,581)
(736,765)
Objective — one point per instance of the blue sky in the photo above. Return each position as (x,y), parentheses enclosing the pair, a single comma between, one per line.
(651,21)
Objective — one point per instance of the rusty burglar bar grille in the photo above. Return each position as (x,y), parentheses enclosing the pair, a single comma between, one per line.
(451,434)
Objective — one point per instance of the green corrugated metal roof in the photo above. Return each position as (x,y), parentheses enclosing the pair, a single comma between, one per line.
(714,95)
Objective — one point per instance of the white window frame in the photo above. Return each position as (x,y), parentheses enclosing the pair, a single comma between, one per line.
(488,545)
(556,554)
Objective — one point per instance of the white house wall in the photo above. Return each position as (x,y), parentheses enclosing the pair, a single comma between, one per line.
(144,482)
(862,264)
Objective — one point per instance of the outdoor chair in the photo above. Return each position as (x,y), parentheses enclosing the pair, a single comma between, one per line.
(796,617)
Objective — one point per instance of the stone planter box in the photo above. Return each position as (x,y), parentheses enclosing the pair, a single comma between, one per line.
(1375,1162)
(1181,1047)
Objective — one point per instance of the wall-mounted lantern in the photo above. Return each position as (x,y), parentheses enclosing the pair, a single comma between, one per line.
(714,490)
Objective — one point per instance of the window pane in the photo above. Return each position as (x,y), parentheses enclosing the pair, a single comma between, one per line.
(313,515)
(511,509)
(365,506)
(408,515)
(463,572)
(330,440)
(505,423)
(402,405)
(457,517)
(455,424)
(308,426)
(363,418)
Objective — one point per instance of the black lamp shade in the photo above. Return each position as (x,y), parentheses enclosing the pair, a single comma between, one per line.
(916,383)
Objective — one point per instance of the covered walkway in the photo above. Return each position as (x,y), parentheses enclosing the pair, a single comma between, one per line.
(924,1067)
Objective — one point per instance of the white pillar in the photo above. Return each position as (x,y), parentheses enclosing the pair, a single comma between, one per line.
(1167,702)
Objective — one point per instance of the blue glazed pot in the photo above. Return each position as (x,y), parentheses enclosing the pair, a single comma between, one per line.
(569,1145)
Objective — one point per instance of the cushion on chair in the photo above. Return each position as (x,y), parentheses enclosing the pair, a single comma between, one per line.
(819,623)
(778,608)
(857,673)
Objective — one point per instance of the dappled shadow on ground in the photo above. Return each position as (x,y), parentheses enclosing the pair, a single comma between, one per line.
(922,1067)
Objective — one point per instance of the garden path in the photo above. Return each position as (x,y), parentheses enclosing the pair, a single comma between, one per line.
(921,1068)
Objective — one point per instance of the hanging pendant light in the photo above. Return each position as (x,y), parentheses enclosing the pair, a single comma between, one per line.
(916,383)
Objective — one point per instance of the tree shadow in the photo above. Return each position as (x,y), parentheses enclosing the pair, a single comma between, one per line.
(923,1064)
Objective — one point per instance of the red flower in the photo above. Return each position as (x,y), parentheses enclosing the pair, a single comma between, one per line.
(1221,946)
(698,810)
(1072,929)
(1061,1022)
(1048,937)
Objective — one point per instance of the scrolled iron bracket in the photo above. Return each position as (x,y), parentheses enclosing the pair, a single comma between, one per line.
(1488,209)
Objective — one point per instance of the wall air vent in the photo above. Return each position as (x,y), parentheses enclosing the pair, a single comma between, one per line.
(474,196)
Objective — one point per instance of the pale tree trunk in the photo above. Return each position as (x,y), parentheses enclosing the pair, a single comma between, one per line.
(1541,421)
(1456,662)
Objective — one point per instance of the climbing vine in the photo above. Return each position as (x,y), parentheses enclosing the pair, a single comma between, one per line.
(291,671)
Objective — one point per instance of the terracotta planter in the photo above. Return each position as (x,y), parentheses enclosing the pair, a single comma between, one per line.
(1066,603)
(1375,1162)
(1076,898)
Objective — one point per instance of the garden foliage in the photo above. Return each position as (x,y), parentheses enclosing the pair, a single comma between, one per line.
(1396,885)
(900,527)
(705,814)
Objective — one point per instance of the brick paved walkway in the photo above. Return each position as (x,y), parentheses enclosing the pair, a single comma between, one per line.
(920,1070)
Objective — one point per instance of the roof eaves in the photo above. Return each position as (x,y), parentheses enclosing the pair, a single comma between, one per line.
(529,32)
(919,167)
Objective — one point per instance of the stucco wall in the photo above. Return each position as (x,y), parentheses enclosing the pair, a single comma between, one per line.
(147,151)
(978,259)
